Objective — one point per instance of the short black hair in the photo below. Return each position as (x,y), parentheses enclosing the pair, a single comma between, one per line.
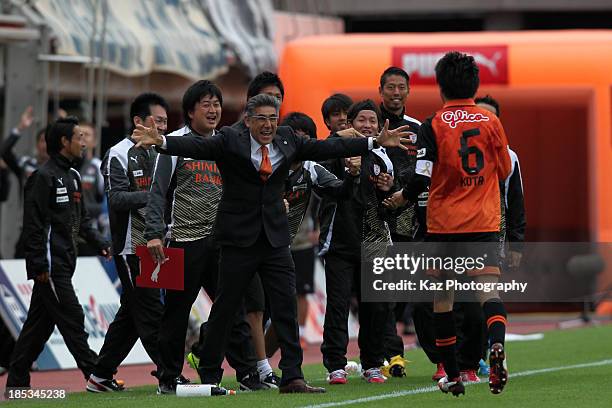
(194,95)
(489,100)
(366,104)
(141,106)
(63,127)
(457,75)
(393,71)
(338,102)
(300,121)
(263,80)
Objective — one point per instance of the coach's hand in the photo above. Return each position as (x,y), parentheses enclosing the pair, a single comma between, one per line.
(156,250)
(147,135)
(394,138)
(349,133)
(43,277)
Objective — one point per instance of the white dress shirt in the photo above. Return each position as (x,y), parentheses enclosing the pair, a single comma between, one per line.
(274,154)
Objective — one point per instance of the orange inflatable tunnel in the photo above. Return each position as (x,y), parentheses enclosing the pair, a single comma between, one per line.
(555,93)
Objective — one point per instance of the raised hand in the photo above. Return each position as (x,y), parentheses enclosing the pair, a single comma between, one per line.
(147,135)
(27,118)
(394,138)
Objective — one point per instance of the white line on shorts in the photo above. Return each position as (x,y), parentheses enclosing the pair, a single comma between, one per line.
(424,390)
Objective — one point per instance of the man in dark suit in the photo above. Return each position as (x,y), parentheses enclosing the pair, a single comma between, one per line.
(251,224)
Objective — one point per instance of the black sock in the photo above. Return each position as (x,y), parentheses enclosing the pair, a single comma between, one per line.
(495,315)
(446,339)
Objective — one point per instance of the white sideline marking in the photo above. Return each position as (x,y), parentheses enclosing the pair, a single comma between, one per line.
(424,390)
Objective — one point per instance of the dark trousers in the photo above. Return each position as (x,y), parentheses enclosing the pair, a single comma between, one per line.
(201,271)
(52,304)
(469,319)
(138,317)
(236,270)
(393,343)
(7,343)
(341,275)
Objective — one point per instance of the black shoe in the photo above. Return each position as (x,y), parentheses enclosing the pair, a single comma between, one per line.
(272,380)
(104,386)
(169,387)
(251,382)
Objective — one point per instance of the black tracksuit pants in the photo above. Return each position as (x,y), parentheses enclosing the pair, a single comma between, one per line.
(52,304)
(138,317)
(469,319)
(201,271)
(393,342)
(341,275)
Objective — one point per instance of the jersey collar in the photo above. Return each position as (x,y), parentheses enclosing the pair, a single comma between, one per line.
(459,102)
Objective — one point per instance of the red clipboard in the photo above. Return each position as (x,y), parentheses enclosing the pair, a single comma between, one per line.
(169,275)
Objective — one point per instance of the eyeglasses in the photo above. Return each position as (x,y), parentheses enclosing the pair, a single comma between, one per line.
(262,119)
(206,105)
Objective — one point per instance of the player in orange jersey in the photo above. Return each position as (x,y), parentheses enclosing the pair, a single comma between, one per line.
(462,156)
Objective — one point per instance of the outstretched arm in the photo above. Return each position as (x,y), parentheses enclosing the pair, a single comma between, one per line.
(351,143)
(195,147)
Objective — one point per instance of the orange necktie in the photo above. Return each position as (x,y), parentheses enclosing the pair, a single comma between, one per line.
(265,168)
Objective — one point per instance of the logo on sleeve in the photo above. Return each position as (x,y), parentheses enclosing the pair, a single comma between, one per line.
(421,152)
(138,173)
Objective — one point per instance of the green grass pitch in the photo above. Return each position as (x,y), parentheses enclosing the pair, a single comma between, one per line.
(542,379)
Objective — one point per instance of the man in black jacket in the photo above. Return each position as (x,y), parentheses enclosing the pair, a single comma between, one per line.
(190,190)
(54,216)
(252,226)
(127,174)
(409,221)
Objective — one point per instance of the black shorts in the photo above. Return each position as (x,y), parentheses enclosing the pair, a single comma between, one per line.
(304,260)
(459,246)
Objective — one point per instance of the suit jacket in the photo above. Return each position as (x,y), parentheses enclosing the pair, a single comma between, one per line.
(248,204)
